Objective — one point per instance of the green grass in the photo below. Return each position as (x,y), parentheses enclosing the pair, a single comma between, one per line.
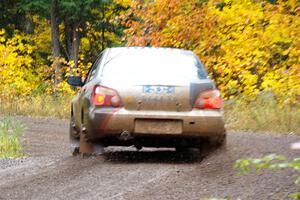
(10,132)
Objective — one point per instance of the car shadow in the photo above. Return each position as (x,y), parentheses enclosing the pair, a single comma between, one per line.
(156,156)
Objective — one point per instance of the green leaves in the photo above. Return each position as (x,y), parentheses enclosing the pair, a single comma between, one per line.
(273,162)
(245,165)
(36,6)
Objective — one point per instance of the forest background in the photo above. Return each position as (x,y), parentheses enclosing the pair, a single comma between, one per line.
(250,48)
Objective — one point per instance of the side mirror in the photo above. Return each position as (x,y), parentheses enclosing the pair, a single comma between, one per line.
(75,81)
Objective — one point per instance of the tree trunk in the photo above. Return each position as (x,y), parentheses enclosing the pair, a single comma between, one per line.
(72,41)
(55,41)
(68,38)
(75,44)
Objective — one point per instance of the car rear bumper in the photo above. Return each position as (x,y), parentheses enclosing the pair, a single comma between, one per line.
(103,122)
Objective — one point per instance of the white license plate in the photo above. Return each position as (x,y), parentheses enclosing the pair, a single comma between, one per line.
(154,89)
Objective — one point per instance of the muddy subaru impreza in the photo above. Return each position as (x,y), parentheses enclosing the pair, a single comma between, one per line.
(145,97)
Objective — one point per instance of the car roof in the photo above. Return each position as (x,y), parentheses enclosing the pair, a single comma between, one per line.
(117,50)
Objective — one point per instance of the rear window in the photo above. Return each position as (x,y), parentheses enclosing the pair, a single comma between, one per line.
(167,65)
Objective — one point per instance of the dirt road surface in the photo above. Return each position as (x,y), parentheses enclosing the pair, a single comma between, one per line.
(50,172)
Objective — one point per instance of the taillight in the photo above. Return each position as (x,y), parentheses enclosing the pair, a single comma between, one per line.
(103,96)
(210,99)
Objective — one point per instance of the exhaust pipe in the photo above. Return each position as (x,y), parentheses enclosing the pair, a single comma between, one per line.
(126,135)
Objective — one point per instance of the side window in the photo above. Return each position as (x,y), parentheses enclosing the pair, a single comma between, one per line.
(202,74)
(92,73)
(93,70)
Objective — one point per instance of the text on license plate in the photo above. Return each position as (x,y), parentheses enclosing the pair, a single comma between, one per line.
(151,89)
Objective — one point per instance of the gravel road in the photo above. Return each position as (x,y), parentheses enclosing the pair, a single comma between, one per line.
(50,172)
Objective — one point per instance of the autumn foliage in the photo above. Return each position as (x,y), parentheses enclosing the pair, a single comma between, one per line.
(247,46)
(16,70)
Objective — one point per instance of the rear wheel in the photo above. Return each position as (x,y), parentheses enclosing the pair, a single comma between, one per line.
(219,141)
(207,145)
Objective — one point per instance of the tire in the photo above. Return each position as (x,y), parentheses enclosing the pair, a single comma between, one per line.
(207,145)
(220,141)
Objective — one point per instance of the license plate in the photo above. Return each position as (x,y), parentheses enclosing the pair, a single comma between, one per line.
(151,89)
(157,126)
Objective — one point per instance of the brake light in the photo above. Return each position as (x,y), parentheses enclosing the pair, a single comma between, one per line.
(103,96)
(209,100)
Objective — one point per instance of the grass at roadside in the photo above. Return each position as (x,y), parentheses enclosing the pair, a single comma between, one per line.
(41,105)
(10,132)
(263,114)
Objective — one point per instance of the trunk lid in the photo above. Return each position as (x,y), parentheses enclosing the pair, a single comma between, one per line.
(159,95)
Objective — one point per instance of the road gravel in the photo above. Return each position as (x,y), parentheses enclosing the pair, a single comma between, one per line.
(50,172)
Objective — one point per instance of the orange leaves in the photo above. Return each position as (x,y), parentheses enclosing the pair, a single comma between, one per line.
(246,45)
(151,20)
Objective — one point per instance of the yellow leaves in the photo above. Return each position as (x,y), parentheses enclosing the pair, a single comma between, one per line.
(16,74)
(2,38)
(253,51)
(42,34)
(2,32)
(125,3)
(286,84)
(248,46)
(85,44)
